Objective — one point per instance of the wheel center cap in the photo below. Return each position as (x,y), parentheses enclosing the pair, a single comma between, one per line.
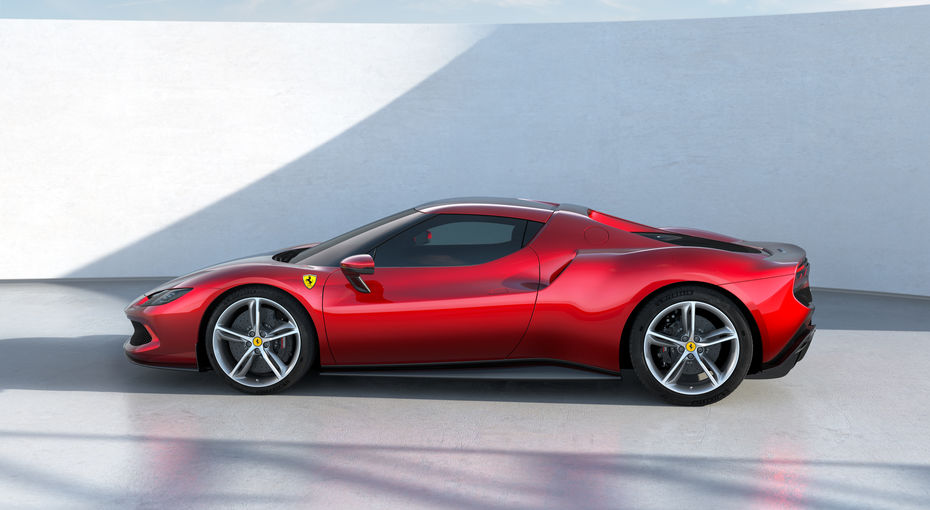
(691,346)
(257,341)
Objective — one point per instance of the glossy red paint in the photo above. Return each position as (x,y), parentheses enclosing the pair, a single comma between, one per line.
(567,296)
(358,263)
(776,311)
(619,223)
(432,314)
(179,324)
(591,300)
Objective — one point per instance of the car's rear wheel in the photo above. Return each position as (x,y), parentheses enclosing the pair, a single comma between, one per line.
(691,345)
(260,340)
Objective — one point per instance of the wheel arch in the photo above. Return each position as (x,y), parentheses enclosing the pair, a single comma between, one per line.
(203,362)
(626,362)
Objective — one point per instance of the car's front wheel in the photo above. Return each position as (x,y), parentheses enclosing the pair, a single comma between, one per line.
(260,340)
(691,345)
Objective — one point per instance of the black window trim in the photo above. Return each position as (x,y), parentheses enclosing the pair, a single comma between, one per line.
(301,258)
(527,236)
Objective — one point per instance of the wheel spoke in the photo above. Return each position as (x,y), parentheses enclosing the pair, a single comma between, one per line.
(255,311)
(663,340)
(717,341)
(228,334)
(717,332)
(691,321)
(677,367)
(271,364)
(713,366)
(244,364)
(687,311)
(281,332)
(282,366)
(713,373)
(717,336)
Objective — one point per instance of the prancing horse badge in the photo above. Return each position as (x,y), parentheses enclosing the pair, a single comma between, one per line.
(309,280)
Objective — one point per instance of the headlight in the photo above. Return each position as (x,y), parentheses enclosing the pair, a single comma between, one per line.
(165,296)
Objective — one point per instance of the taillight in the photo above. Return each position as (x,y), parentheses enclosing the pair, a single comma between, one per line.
(802,287)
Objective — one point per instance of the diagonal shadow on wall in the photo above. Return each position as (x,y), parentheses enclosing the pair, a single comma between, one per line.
(664,122)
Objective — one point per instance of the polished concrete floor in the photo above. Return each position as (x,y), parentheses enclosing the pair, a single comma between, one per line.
(81,427)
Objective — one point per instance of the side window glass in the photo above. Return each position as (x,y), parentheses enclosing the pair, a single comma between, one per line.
(453,240)
(469,233)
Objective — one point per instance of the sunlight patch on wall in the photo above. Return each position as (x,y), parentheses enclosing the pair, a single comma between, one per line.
(115,130)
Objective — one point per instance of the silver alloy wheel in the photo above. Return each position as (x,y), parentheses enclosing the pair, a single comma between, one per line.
(691,347)
(256,342)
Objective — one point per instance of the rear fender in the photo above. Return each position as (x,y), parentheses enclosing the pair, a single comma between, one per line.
(594,297)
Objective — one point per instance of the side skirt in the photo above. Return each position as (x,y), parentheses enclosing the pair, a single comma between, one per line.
(539,369)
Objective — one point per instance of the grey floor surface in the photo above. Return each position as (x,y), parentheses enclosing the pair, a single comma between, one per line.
(81,427)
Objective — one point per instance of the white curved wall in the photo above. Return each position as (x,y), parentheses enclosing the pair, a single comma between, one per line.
(149,148)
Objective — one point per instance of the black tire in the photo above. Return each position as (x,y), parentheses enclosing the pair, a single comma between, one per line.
(304,352)
(706,303)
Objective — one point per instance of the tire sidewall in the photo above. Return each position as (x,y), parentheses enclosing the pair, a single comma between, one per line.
(655,305)
(304,325)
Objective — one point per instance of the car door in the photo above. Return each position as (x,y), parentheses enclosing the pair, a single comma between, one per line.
(451,288)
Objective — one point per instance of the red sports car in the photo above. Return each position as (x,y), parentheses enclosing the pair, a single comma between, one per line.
(482,283)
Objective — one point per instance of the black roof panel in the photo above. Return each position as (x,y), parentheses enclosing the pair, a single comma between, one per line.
(520,202)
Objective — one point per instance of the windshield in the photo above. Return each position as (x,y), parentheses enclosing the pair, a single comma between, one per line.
(360,240)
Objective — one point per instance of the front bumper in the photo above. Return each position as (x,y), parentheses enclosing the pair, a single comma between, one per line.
(793,352)
(165,336)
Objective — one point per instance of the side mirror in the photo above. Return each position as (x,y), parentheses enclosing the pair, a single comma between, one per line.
(354,267)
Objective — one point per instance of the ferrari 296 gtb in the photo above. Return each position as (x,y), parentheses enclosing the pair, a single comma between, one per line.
(481,283)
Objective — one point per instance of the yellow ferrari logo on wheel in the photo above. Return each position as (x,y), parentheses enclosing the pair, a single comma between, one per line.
(309,280)
(690,346)
(257,341)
